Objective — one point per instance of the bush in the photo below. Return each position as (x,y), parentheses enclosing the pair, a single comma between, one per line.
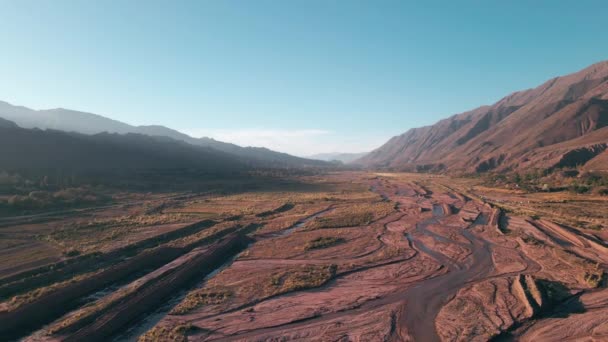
(302,278)
(37,200)
(531,240)
(345,220)
(24,202)
(167,334)
(40,195)
(7,179)
(579,188)
(595,227)
(323,242)
(199,298)
(602,191)
(595,179)
(71,253)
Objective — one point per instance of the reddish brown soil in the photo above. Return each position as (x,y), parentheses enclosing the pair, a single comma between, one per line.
(452,257)
(428,263)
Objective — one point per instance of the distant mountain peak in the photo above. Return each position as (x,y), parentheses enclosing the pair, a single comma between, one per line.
(345,158)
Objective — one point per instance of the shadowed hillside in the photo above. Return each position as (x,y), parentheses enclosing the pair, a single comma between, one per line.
(72,151)
(7,124)
(87,123)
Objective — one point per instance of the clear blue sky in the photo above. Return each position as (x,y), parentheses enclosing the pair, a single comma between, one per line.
(297,76)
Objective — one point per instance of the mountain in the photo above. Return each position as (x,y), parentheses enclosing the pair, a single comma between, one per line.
(50,149)
(7,124)
(561,123)
(342,157)
(87,123)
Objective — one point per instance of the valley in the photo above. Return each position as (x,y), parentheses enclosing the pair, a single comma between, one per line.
(347,255)
(274,171)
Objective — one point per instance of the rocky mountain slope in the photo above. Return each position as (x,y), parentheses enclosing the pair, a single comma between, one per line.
(87,123)
(561,123)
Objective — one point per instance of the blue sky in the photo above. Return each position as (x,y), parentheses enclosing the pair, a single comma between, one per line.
(297,76)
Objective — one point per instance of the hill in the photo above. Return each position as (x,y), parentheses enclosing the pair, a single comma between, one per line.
(561,123)
(44,150)
(342,157)
(88,123)
(7,124)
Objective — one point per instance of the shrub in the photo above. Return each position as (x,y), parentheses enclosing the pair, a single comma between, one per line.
(345,220)
(531,240)
(323,242)
(167,334)
(579,188)
(285,207)
(199,298)
(593,279)
(602,191)
(7,179)
(71,252)
(303,278)
(595,178)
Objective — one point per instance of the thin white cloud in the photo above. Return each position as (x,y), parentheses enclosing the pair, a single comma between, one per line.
(300,142)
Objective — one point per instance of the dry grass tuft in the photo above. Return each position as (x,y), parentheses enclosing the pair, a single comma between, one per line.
(302,278)
(166,334)
(201,297)
(323,242)
(354,215)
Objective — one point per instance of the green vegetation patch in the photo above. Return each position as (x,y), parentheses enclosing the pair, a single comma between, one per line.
(323,242)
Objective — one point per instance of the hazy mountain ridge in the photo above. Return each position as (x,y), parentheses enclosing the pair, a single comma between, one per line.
(535,128)
(88,123)
(51,149)
(7,124)
(339,156)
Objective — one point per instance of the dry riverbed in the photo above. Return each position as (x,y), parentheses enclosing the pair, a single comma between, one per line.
(350,256)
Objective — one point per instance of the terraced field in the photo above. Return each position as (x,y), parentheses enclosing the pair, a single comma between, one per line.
(348,256)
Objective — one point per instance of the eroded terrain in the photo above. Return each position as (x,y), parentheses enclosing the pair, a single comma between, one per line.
(343,257)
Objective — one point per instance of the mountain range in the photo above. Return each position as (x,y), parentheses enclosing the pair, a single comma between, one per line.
(91,124)
(561,123)
(338,156)
(35,149)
